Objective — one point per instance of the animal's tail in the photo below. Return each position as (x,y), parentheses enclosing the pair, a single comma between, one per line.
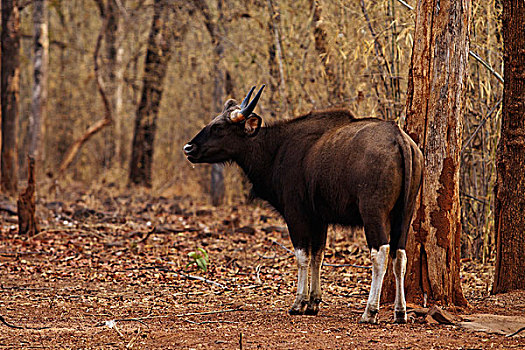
(413,171)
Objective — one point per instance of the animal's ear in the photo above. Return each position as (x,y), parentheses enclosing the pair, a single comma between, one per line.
(228,104)
(252,125)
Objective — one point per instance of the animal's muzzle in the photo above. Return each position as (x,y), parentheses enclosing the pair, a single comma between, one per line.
(189,148)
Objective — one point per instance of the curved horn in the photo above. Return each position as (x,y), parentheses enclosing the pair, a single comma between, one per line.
(246,111)
(247,98)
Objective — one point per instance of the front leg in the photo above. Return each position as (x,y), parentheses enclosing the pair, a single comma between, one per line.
(316,262)
(302,257)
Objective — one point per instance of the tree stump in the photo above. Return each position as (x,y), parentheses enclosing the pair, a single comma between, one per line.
(27,220)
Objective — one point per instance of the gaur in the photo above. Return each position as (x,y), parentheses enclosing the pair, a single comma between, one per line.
(326,167)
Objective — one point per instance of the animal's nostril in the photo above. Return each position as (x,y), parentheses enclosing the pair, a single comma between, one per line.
(188,148)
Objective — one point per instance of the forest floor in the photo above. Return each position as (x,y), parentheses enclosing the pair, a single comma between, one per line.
(114,272)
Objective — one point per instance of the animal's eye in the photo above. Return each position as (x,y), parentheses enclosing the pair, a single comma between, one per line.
(217,128)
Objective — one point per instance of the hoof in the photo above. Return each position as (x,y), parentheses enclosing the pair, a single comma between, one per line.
(400,317)
(312,311)
(312,308)
(298,308)
(294,311)
(369,317)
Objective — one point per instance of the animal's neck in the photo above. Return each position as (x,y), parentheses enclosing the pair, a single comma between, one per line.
(258,155)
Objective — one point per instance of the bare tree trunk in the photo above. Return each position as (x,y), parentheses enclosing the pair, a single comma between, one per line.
(274,24)
(321,46)
(434,113)
(155,66)
(115,70)
(10,87)
(40,65)
(216,32)
(510,186)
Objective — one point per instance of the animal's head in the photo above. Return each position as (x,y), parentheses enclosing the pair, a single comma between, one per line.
(224,136)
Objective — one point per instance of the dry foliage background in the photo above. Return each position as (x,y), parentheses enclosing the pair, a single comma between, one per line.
(351,53)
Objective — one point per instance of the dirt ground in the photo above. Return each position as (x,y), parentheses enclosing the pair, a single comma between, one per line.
(114,272)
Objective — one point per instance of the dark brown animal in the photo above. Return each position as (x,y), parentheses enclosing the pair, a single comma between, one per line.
(323,168)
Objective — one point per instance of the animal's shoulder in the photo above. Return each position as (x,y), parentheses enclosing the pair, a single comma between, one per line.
(331,114)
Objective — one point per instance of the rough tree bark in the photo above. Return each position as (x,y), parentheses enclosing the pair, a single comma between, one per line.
(157,58)
(510,185)
(26,209)
(10,88)
(434,112)
(40,64)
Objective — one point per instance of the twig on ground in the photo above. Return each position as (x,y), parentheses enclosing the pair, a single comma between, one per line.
(139,319)
(275,256)
(282,246)
(516,333)
(205,322)
(208,312)
(2,319)
(132,341)
(68,230)
(146,236)
(192,277)
(9,254)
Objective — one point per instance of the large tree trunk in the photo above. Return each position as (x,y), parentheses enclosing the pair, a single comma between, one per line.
(40,64)
(510,186)
(155,66)
(434,112)
(10,87)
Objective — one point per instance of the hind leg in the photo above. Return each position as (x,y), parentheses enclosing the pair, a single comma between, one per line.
(376,227)
(399,265)
(379,264)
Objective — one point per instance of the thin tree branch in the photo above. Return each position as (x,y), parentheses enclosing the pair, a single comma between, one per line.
(471,53)
(408,6)
(486,65)
(467,143)
(97,126)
